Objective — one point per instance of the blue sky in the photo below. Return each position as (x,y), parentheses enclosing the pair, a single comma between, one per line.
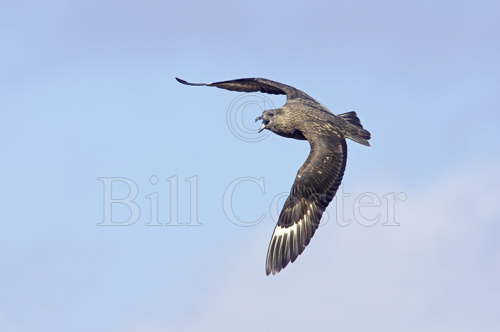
(87,91)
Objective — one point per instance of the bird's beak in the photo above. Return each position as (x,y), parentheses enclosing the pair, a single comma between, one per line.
(262,126)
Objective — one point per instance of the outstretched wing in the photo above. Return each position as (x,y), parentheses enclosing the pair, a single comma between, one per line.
(315,186)
(255,85)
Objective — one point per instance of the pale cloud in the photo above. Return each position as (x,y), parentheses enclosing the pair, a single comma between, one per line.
(437,271)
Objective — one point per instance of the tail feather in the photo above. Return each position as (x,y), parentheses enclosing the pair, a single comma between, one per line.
(352,118)
(356,131)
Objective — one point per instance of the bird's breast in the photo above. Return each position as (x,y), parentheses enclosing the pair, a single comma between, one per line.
(295,134)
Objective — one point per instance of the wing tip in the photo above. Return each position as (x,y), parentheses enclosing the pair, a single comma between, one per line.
(275,261)
(271,267)
(271,271)
(180,80)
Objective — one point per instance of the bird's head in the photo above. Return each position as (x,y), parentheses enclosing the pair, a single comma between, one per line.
(268,118)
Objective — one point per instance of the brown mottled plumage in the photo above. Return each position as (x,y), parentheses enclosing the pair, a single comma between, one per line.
(318,179)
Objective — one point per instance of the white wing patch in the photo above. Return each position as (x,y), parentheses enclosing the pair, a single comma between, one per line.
(279,231)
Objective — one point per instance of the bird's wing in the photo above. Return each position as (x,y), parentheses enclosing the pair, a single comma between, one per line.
(315,186)
(255,85)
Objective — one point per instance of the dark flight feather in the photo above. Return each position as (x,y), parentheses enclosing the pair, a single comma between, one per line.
(254,85)
(315,186)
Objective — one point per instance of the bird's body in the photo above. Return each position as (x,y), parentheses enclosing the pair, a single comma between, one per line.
(298,115)
(317,181)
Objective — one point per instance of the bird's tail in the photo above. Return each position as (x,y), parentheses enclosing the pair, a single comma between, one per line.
(355,130)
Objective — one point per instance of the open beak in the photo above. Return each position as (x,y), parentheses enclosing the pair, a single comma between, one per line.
(263,125)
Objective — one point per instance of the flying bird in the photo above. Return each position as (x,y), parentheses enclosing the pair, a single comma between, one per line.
(318,179)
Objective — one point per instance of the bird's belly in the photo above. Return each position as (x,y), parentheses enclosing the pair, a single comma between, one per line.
(296,134)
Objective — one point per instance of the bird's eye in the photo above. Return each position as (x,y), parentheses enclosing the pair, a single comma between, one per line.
(271,114)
